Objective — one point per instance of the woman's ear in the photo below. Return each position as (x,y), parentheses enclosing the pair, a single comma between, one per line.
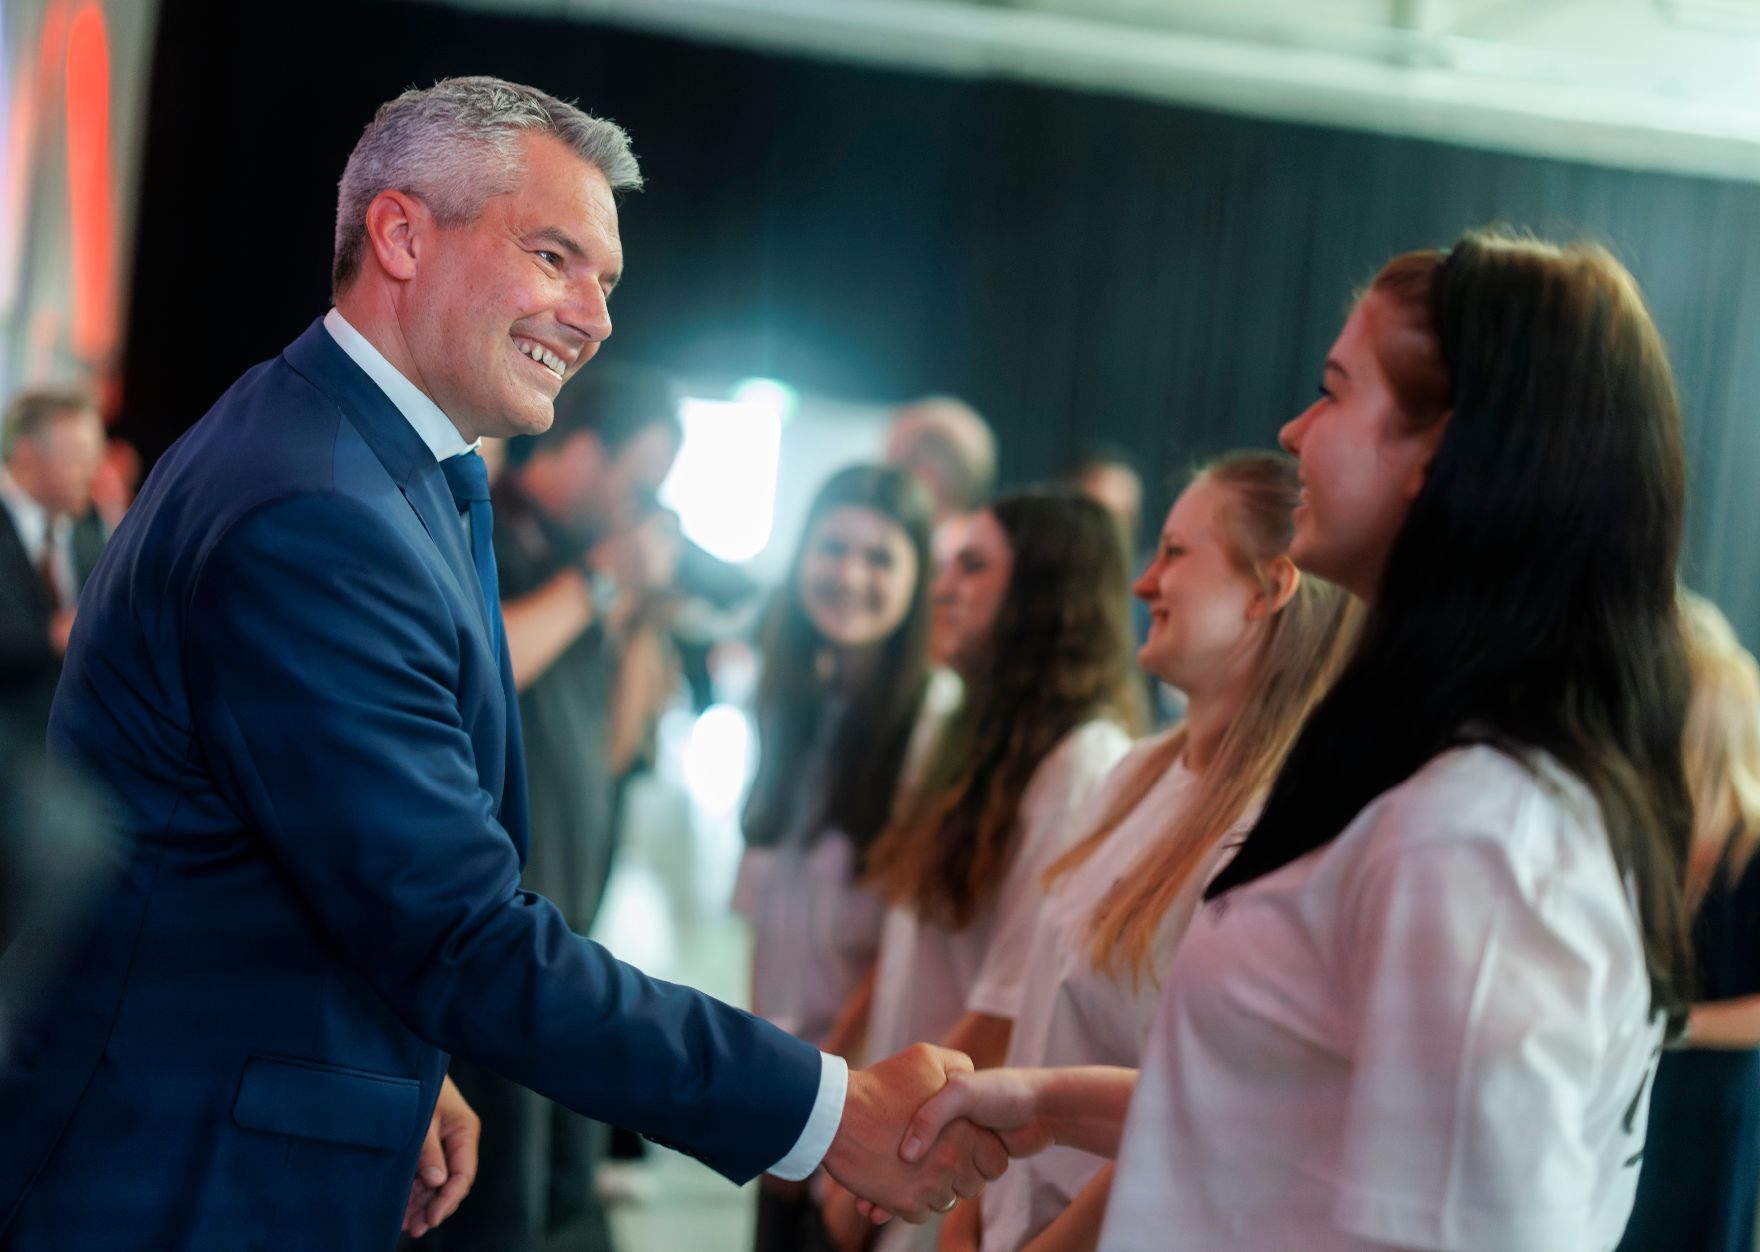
(1281,580)
(1432,437)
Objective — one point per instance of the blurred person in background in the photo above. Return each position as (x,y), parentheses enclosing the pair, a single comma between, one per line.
(648,671)
(51,449)
(944,444)
(1701,1167)
(576,566)
(845,669)
(1034,603)
(117,481)
(56,852)
(1107,475)
(1253,644)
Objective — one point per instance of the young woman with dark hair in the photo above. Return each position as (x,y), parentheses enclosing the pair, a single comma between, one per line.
(1422,1006)
(845,668)
(1034,607)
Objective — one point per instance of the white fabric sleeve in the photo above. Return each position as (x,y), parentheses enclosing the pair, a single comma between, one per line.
(1476,1042)
(822,1123)
(1047,827)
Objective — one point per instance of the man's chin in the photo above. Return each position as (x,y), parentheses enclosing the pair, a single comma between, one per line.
(532,420)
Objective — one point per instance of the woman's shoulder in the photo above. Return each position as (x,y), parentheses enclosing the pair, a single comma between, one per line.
(1517,798)
(1096,745)
(1076,764)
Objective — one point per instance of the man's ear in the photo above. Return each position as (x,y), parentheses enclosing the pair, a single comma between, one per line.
(398,227)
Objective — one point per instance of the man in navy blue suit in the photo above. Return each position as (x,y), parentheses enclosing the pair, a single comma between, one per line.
(289,667)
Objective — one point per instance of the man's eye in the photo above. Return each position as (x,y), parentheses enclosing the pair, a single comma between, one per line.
(552,259)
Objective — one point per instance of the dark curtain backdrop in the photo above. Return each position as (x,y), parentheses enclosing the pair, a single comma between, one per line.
(1080,267)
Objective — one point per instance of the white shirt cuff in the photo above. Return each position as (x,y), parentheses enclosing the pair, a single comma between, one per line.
(822,1122)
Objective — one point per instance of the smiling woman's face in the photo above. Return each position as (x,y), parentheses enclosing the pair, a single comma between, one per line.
(1202,607)
(856,578)
(969,590)
(1362,461)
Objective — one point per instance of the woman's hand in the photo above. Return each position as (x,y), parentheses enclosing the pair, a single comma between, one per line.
(1003,1100)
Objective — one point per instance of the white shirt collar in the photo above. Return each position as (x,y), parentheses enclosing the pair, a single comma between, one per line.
(434,427)
(29,519)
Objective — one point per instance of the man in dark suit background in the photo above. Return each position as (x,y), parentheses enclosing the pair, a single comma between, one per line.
(291,671)
(51,446)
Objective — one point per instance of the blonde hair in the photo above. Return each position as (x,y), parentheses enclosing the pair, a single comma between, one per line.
(1305,644)
(1721,745)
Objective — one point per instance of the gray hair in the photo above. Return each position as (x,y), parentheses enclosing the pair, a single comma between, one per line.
(456,144)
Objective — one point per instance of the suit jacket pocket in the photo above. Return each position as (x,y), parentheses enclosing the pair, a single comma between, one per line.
(323,1102)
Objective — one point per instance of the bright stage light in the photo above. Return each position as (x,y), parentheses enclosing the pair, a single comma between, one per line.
(723,485)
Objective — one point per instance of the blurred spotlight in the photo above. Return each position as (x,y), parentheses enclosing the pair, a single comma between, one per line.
(717,757)
(723,485)
(767,393)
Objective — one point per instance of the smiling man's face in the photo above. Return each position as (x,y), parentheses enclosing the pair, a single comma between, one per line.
(504,309)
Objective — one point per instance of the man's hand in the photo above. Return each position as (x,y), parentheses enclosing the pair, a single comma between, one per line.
(447,1166)
(865,1156)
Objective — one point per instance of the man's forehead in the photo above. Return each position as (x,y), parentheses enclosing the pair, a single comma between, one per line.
(553,175)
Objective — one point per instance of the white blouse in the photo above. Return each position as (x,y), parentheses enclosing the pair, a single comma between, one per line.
(1074,1014)
(1432,1033)
(815,929)
(929,977)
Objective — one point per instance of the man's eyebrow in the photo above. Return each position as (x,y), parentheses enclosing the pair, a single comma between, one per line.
(559,237)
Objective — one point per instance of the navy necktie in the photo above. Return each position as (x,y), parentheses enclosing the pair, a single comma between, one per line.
(469,479)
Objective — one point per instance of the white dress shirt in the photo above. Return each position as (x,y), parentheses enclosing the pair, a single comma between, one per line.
(37,531)
(444,440)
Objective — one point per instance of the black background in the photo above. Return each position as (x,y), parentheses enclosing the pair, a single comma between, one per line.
(1078,266)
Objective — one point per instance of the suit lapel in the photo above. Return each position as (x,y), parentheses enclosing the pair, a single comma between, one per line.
(411,465)
(400,450)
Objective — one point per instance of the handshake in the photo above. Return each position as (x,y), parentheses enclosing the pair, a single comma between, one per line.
(907,1144)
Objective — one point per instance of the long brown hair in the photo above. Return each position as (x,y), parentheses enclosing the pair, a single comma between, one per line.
(1303,647)
(1528,601)
(867,754)
(1059,656)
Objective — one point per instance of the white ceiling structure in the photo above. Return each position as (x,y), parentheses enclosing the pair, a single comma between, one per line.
(1645,84)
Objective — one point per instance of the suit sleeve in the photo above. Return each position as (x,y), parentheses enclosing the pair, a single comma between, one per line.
(323,667)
